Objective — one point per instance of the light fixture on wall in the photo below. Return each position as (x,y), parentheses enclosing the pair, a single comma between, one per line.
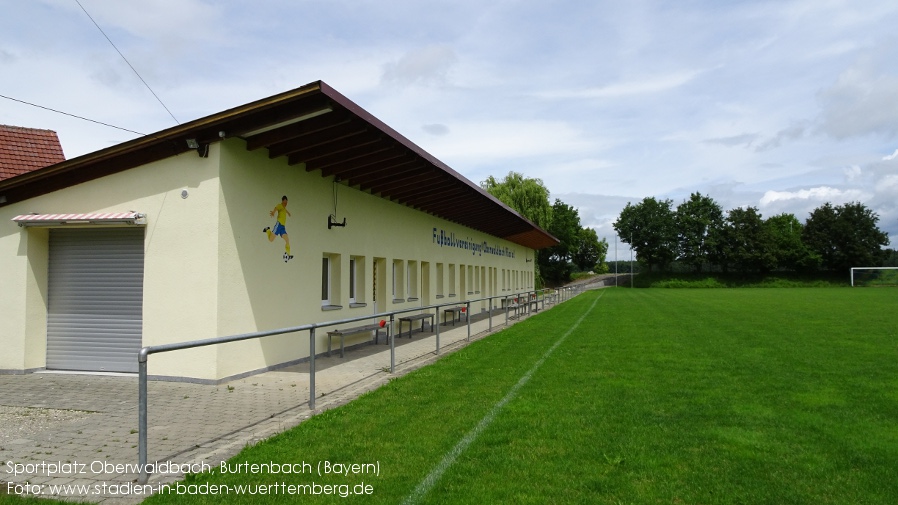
(201,149)
(332,219)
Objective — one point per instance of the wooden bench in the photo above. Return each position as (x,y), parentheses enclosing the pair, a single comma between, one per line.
(533,306)
(352,331)
(411,319)
(456,314)
(515,306)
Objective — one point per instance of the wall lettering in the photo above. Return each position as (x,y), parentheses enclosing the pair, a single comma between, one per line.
(444,239)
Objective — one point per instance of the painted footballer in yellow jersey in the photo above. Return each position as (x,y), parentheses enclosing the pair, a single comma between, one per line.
(280,226)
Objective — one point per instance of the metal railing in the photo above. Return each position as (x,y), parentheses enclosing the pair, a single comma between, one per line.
(524,300)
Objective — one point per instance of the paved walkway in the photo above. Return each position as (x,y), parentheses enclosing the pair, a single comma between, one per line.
(73,429)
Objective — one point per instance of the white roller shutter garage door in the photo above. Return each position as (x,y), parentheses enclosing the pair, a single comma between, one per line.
(95,305)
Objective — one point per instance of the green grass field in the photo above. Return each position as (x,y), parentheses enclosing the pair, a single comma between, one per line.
(625,396)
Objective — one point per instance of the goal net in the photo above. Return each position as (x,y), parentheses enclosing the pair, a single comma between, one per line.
(874,276)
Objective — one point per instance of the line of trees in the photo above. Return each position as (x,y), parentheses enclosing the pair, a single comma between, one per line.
(699,234)
(579,247)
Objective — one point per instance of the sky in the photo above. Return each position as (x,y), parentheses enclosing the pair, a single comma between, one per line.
(780,105)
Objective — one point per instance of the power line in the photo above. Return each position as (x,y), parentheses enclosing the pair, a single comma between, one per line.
(128,62)
(67,114)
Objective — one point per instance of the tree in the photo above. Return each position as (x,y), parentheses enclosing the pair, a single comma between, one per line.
(890,258)
(650,229)
(697,222)
(590,253)
(788,249)
(845,236)
(746,243)
(529,197)
(556,264)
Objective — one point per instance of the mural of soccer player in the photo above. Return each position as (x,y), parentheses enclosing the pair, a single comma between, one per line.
(280,227)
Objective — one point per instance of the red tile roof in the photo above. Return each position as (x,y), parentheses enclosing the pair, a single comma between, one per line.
(23,150)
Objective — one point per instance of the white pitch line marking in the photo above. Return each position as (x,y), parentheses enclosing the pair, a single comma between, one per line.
(450,457)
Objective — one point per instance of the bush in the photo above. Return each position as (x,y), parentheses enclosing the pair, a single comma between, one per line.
(720,280)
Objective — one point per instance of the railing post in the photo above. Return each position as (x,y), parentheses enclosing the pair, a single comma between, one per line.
(506,310)
(144,475)
(312,368)
(468,318)
(392,344)
(437,317)
(491,314)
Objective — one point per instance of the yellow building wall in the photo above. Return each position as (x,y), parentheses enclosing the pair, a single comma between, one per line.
(180,269)
(14,291)
(211,271)
(259,291)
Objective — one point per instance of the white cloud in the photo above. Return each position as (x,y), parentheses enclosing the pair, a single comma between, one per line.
(744,140)
(793,132)
(436,129)
(819,194)
(427,65)
(506,140)
(891,156)
(888,185)
(167,22)
(853,172)
(649,84)
(862,101)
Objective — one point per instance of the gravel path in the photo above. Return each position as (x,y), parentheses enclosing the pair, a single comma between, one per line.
(18,422)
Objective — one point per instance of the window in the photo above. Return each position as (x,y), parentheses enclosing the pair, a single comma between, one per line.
(351,280)
(330,282)
(357,282)
(451,280)
(463,281)
(470,279)
(325,281)
(439,280)
(411,277)
(398,281)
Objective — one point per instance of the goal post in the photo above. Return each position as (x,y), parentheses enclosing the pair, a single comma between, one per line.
(874,276)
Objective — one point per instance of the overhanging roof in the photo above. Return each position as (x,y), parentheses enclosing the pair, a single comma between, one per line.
(316,129)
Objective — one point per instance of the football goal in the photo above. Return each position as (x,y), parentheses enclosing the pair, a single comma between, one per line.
(874,276)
